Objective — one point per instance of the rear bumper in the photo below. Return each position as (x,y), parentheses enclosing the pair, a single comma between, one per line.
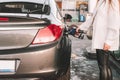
(35,63)
(28,75)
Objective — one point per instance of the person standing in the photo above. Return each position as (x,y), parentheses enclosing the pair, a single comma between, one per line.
(106,26)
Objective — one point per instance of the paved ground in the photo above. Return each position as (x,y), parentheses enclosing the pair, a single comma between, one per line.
(83,68)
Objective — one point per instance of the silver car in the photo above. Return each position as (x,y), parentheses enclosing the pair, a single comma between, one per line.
(33,39)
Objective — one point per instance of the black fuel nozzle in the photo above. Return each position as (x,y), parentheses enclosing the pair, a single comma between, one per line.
(81,34)
(80,31)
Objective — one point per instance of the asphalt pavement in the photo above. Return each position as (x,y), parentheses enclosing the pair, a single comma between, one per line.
(82,67)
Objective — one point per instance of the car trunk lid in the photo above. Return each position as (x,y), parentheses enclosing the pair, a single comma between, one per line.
(19,32)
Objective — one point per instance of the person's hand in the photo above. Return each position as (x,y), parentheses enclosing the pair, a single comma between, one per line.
(106,47)
(77,30)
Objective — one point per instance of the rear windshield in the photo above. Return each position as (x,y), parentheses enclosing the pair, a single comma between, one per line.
(24,7)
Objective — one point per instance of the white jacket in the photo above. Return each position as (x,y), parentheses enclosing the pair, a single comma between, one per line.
(106,25)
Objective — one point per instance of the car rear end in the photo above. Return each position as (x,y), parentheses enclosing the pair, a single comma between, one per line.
(29,46)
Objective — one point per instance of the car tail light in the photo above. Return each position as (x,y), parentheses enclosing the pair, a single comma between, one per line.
(48,34)
(4,19)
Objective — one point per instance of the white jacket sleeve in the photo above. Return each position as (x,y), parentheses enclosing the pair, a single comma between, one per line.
(85,26)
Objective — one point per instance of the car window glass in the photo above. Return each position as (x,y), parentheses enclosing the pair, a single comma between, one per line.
(24,7)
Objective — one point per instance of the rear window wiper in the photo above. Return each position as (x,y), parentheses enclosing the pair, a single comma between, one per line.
(44,10)
(29,12)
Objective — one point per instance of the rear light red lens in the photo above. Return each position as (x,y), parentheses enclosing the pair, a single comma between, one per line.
(4,19)
(48,34)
